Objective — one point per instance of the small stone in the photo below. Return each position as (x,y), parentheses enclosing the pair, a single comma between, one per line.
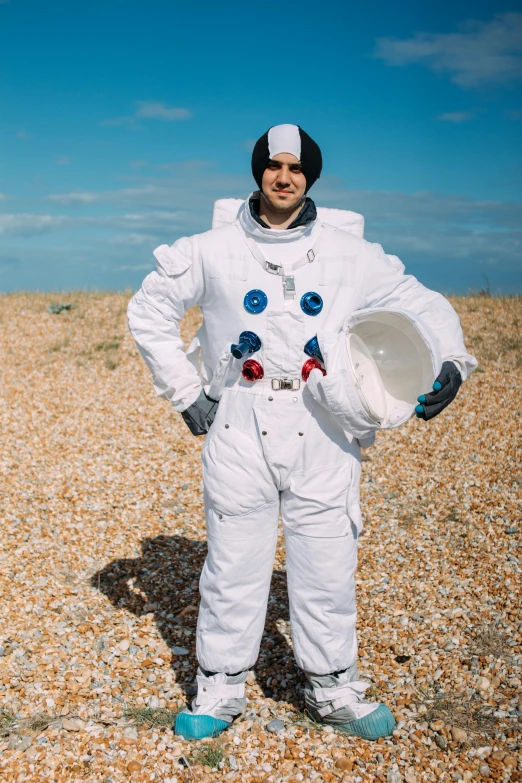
(394,776)
(275,726)
(133,766)
(251,678)
(73,724)
(436,725)
(511,531)
(124,645)
(441,741)
(448,647)
(130,735)
(484,770)
(410,776)
(154,703)
(344,763)
(237,740)
(404,621)
(20,743)
(458,735)
(510,761)
(328,730)
(483,684)
(179,651)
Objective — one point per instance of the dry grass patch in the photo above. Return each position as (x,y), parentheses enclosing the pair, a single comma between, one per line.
(147,716)
(10,724)
(471,715)
(490,641)
(210,755)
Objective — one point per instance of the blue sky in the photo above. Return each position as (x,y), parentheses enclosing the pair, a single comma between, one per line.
(123,120)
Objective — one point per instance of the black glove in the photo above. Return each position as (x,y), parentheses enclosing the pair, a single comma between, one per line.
(200,415)
(444,391)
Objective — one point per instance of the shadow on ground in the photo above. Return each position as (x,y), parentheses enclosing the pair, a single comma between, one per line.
(164,581)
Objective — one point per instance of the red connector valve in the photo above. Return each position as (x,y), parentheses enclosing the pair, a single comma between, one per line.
(309,365)
(252,370)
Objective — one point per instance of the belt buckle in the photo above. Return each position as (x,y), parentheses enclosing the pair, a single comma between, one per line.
(292,384)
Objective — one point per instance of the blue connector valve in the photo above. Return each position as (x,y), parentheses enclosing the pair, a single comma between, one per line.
(311,303)
(255,301)
(249,342)
(312,349)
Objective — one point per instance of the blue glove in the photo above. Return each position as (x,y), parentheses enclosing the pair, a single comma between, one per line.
(444,391)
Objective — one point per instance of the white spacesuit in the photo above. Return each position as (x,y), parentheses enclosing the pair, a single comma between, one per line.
(273,448)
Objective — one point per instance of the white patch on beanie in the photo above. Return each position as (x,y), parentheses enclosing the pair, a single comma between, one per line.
(284,138)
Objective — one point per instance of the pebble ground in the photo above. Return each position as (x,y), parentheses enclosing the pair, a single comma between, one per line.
(103,540)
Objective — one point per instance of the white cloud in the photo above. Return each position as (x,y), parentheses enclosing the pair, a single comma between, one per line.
(75,197)
(426,228)
(3,197)
(456,116)
(21,134)
(159,110)
(26,224)
(129,120)
(133,240)
(62,160)
(156,110)
(138,164)
(132,267)
(480,53)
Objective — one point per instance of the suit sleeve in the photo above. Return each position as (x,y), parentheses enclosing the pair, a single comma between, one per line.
(154,313)
(386,285)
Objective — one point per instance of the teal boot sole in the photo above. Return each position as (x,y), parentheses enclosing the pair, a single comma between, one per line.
(194,727)
(379,723)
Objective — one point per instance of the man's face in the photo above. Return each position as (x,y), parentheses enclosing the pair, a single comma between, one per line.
(283,183)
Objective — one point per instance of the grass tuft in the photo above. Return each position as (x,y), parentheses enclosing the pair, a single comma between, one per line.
(39,722)
(472,715)
(305,719)
(10,724)
(7,722)
(490,641)
(55,308)
(147,716)
(209,755)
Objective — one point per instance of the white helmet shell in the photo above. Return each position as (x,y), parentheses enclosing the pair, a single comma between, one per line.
(393,357)
(376,368)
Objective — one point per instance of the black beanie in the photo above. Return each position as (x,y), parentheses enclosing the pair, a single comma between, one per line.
(291,139)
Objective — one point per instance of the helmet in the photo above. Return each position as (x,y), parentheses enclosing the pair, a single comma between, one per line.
(377,366)
(392,358)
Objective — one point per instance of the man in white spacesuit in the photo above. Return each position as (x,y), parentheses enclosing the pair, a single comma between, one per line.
(272,274)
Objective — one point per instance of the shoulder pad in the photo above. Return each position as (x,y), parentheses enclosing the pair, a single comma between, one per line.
(172,260)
